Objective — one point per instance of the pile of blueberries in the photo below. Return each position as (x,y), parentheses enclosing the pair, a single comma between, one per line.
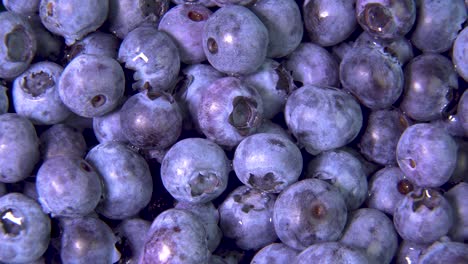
(233,131)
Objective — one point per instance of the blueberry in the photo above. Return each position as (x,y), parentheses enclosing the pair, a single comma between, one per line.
(126,15)
(410,252)
(96,43)
(427,155)
(18,45)
(229,110)
(24,229)
(246,216)
(457,196)
(459,56)
(108,127)
(35,94)
(49,45)
(445,252)
(127,180)
(430,87)
(329,22)
(184,23)
(87,240)
(386,19)
(269,127)
(330,253)
(373,77)
(311,64)
(282,19)
(274,83)
(342,170)
(4,102)
(462,111)
(73,19)
(387,187)
(19,150)
(380,139)
(176,236)
(209,217)
(68,186)
(438,24)
(309,211)
(371,231)
(311,113)
(131,233)
(154,57)
(25,7)
(423,216)
(195,170)
(60,140)
(235,40)
(268,162)
(150,120)
(275,253)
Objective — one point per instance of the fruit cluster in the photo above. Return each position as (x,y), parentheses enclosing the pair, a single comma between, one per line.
(233,131)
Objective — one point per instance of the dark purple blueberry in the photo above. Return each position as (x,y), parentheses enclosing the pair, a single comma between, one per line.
(430,86)
(410,252)
(60,140)
(283,21)
(445,252)
(68,186)
(127,181)
(24,229)
(457,197)
(126,15)
(108,127)
(92,85)
(380,139)
(246,216)
(175,236)
(87,240)
(373,77)
(195,170)
(331,253)
(423,216)
(329,22)
(18,45)
(311,114)
(387,187)
(35,94)
(309,211)
(229,110)
(274,83)
(344,171)
(19,151)
(438,24)
(96,43)
(235,40)
(154,57)
(151,120)
(73,19)
(185,23)
(427,155)
(386,19)
(268,162)
(371,231)
(459,55)
(311,64)
(25,7)
(275,253)
(209,217)
(131,234)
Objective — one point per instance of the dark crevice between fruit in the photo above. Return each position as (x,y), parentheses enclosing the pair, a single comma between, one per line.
(195,16)
(18,45)
(202,184)
(154,8)
(452,97)
(11,223)
(73,52)
(427,198)
(182,84)
(123,246)
(36,84)
(267,183)
(85,167)
(405,186)
(377,18)
(285,82)
(98,100)
(244,114)
(212,46)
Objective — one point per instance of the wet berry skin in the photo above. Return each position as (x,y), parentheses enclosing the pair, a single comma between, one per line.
(235,41)
(310,114)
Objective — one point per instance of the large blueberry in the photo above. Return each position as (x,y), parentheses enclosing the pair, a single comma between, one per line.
(108,127)
(445,252)
(322,118)
(459,55)
(275,253)
(25,7)
(60,140)
(195,170)
(127,180)
(457,196)
(96,43)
